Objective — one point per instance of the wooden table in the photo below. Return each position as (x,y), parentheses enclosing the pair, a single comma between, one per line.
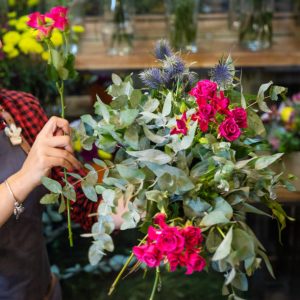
(214,40)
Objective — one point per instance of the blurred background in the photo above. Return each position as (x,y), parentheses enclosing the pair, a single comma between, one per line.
(118,36)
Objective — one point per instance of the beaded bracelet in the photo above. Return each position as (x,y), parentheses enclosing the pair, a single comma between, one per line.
(18,206)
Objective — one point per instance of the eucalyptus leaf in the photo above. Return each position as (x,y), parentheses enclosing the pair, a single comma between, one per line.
(51,184)
(261,97)
(225,247)
(102,110)
(89,191)
(264,161)
(151,155)
(167,104)
(49,199)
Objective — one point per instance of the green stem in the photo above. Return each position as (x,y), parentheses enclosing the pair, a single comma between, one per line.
(221,232)
(113,286)
(154,289)
(60,88)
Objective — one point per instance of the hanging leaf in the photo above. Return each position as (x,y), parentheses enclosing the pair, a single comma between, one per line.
(225,247)
(261,97)
(52,185)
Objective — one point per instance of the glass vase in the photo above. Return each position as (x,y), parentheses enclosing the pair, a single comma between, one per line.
(118,26)
(256,24)
(182,23)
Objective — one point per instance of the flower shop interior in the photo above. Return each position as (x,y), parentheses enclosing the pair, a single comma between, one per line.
(256,40)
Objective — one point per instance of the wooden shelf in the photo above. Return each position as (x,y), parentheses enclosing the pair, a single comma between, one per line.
(214,40)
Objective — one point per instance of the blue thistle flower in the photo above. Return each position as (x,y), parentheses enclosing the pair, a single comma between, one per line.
(162,50)
(223,73)
(173,66)
(152,78)
(192,78)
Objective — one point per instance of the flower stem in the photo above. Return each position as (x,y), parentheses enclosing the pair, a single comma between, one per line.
(60,88)
(221,232)
(113,286)
(154,289)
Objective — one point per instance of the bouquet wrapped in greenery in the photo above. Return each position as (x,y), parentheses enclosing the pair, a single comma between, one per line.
(187,169)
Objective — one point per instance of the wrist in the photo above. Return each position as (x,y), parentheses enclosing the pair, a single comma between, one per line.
(21,185)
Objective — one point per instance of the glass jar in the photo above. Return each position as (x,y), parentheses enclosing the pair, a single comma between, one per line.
(234,14)
(256,24)
(118,26)
(182,23)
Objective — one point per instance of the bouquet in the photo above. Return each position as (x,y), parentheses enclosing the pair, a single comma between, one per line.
(187,168)
(182,157)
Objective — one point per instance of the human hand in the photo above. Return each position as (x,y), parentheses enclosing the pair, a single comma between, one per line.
(52,148)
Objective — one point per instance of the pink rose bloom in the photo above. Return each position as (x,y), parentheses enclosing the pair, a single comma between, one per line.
(59,16)
(204,90)
(240,116)
(36,20)
(229,130)
(160,220)
(193,237)
(139,251)
(181,125)
(153,234)
(203,123)
(174,261)
(170,240)
(206,112)
(221,103)
(152,256)
(194,263)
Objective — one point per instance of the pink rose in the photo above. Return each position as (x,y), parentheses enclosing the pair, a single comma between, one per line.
(170,240)
(240,116)
(193,237)
(153,234)
(174,261)
(181,125)
(59,16)
(38,21)
(139,251)
(204,90)
(206,112)
(194,263)
(203,123)
(152,256)
(160,220)
(221,103)
(229,130)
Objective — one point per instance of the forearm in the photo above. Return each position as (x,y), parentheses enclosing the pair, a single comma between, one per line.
(20,188)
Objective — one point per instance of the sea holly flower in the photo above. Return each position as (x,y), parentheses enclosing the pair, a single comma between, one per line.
(229,130)
(162,50)
(152,78)
(181,125)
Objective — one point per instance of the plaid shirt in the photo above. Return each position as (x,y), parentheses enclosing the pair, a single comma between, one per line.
(29,115)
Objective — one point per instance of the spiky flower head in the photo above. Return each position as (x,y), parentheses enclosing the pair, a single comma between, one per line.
(223,73)
(162,49)
(173,66)
(152,78)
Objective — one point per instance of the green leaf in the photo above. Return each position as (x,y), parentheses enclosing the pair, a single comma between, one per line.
(109,196)
(153,137)
(151,105)
(88,119)
(135,98)
(243,243)
(95,254)
(225,247)
(264,161)
(52,185)
(277,90)
(127,117)
(49,199)
(130,218)
(116,79)
(62,206)
(167,104)
(255,123)
(89,191)
(261,97)
(223,206)
(131,137)
(151,155)
(213,240)
(267,262)
(213,218)
(69,192)
(102,110)
(240,282)
(130,172)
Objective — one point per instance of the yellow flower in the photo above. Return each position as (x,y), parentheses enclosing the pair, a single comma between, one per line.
(11,2)
(45,55)
(30,45)
(10,50)
(32,2)
(286,114)
(56,38)
(11,37)
(21,23)
(78,28)
(12,22)
(12,14)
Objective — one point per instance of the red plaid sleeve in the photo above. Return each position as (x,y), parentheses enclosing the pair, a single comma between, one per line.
(29,115)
